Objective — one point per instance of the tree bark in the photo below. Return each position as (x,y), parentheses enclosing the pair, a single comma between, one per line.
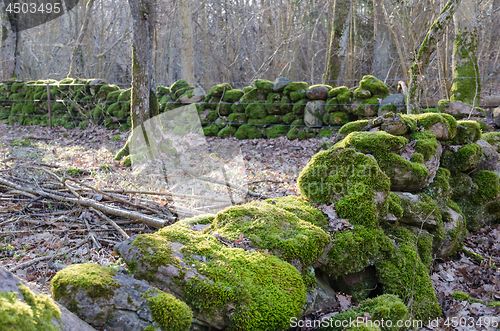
(382,49)
(144,102)
(81,35)
(9,43)
(466,83)
(187,47)
(338,41)
(425,52)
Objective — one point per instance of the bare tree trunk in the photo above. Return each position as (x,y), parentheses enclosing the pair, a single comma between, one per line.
(466,84)
(81,35)
(144,102)
(9,44)
(338,41)
(425,51)
(187,47)
(382,49)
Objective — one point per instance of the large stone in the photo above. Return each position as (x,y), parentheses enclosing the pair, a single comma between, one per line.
(108,299)
(393,103)
(197,95)
(315,110)
(322,296)
(226,286)
(496,116)
(420,210)
(460,110)
(490,157)
(455,232)
(318,92)
(17,303)
(359,285)
(280,83)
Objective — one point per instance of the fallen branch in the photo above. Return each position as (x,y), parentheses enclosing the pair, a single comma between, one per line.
(149,220)
(227,184)
(112,223)
(43,258)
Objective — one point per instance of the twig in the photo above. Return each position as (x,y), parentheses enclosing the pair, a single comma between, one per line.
(43,258)
(149,220)
(236,187)
(112,223)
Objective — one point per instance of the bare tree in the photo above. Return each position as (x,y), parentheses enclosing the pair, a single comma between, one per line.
(10,43)
(424,54)
(144,102)
(187,47)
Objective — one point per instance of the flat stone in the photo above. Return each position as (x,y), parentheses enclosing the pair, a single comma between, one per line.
(280,83)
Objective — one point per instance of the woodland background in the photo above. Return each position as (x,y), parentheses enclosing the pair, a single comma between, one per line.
(214,41)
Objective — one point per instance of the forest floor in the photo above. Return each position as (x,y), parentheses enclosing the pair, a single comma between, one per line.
(40,237)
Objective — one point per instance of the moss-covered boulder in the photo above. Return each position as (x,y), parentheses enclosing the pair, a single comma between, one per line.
(443,126)
(247,131)
(276,131)
(468,132)
(386,148)
(256,110)
(106,298)
(381,309)
(24,309)
(264,85)
(272,228)
(351,180)
(318,92)
(405,267)
(227,288)
(314,113)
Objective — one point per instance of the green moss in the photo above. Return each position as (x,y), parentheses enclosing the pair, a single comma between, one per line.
(404,275)
(272,119)
(447,123)
(170,313)
(303,209)
(256,291)
(298,95)
(125,95)
(263,85)
(218,91)
(247,131)
(468,132)
(295,86)
(354,250)
(275,229)
(276,131)
(211,130)
(299,107)
(493,138)
(417,158)
(337,118)
(440,189)
(326,132)
(181,84)
(256,110)
(205,219)
(353,126)
(372,84)
(382,308)
(350,180)
(232,96)
(227,132)
(366,107)
(493,304)
(488,184)
(461,296)
(289,118)
(376,143)
(35,312)
(22,142)
(96,280)
(395,207)
(465,159)
(293,134)
(426,143)
(105,90)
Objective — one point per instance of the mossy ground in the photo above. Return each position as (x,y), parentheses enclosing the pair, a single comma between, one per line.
(34,312)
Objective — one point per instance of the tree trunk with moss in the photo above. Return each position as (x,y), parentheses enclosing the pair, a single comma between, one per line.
(466,84)
(338,41)
(9,44)
(144,102)
(423,56)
